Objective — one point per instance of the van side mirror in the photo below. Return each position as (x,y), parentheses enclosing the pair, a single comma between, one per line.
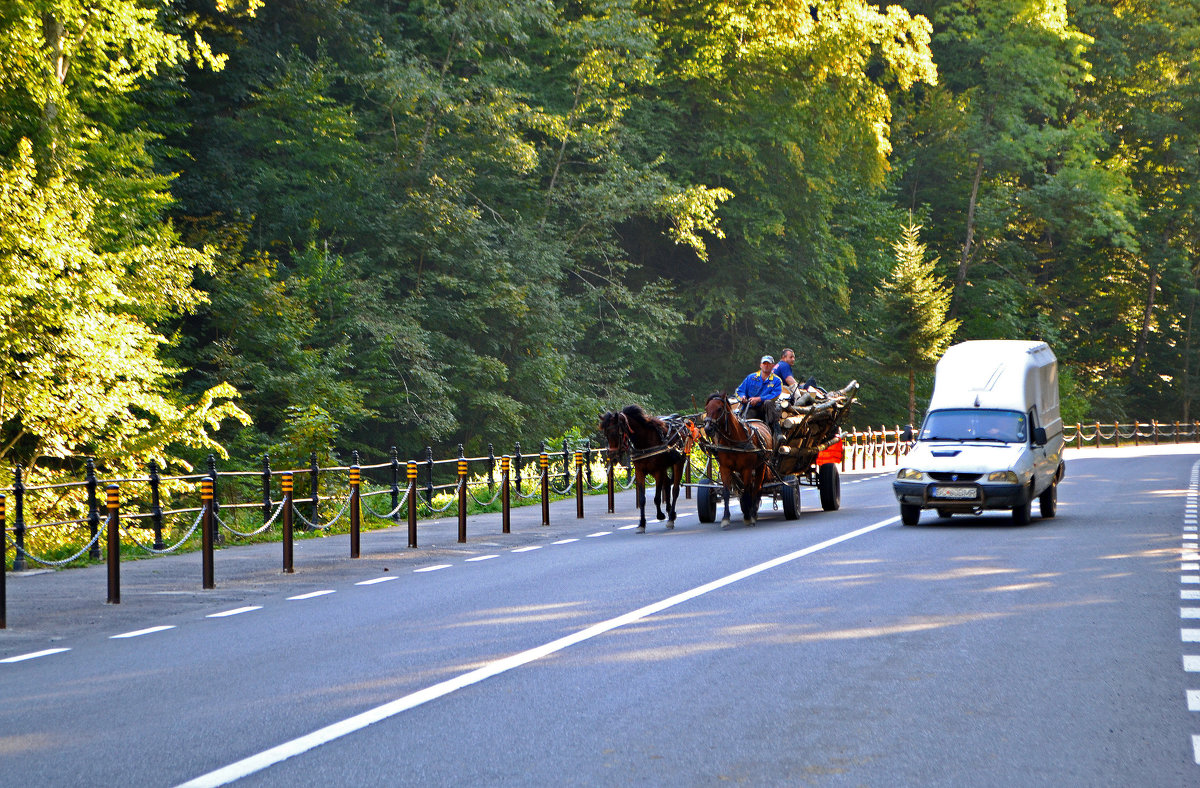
(1039,436)
(907,435)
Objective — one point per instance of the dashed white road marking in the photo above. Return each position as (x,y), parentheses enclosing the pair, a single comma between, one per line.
(140,632)
(1193,700)
(234,612)
(376,580)
(565,541)
(262,760)
(1191,663)
(527,549)
(433,568)
(1196,748)
(35,655)
(627,527)
(1188,593)
(311,594)
(1189,612)
(599,533)
(1190,635)
(482,558)
(1190,579)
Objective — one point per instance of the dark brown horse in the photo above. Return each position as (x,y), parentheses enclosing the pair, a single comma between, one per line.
(656,448)
(742,448)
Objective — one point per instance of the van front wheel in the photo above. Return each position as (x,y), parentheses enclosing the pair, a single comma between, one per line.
(1023,512)
(1048,501)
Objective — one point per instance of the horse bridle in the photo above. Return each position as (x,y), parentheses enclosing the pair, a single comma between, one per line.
(731,445)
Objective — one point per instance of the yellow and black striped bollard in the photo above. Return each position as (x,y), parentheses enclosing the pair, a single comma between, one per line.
(505,512)
(412,503)
(544,462)
(578,485)
(114,544)
(286,483)
(462,500)
(207,527)
(355,510)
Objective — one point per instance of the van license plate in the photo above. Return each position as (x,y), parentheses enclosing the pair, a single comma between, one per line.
(957,493)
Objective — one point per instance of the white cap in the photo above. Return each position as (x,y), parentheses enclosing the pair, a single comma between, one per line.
(766,359)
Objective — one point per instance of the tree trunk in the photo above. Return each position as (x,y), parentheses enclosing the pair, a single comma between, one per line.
(961,279)
(1147,317)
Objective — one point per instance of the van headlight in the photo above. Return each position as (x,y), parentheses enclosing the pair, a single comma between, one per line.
(910,475)
(1009,477)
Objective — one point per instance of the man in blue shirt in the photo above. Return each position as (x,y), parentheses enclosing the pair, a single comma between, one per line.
(783,370)
(761,392)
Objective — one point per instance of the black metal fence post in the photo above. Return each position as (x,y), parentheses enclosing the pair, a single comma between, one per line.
(429,475)
(266,488)
(207,529)
(93,511)
(19,523)
(286,484)
(114,544)
(395,485)
(156,514)
(612,483)
(315,470)
(517,464)
(217,537)
(566,453)
(491,469)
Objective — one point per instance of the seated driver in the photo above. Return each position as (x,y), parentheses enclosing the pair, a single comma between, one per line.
(760,390)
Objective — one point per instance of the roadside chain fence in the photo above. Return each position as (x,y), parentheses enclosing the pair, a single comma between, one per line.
(417,487)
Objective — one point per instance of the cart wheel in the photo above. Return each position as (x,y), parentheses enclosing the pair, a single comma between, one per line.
(830,484)
(790,493)
(706,502)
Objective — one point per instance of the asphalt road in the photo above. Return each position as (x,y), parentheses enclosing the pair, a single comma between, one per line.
(838,649)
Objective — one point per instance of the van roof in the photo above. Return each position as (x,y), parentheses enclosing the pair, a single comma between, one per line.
(993,373)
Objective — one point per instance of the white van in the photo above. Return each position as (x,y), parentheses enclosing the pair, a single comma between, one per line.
(992,438)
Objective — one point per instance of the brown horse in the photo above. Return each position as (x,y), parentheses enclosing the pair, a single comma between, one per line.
(657,448)
(742,448)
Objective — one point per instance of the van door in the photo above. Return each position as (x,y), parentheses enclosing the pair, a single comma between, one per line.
(1043,471)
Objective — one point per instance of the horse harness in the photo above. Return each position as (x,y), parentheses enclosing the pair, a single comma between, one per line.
(674,439)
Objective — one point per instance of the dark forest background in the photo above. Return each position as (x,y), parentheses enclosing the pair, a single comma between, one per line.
(318,225)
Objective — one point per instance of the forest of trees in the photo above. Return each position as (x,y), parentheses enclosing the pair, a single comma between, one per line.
(315,225)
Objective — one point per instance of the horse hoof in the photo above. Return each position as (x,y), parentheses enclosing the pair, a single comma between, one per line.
(725,524)
(670,525)
(662,517)
(641,529)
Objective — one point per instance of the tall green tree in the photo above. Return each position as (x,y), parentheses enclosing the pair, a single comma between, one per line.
(913,303)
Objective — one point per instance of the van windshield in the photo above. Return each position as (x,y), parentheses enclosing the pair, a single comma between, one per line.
(974,424)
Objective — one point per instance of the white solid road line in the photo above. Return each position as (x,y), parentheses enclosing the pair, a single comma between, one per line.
(234,612)
(140,632)
(311,594)
(256,763)
(35,655)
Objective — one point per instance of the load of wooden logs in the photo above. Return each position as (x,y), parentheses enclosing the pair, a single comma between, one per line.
(810,419)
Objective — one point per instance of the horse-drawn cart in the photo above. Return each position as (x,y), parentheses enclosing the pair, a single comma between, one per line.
(809,454)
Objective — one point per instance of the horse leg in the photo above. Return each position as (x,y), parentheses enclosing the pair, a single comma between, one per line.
(659,493)
(640,480)
(725,481)
(673,488)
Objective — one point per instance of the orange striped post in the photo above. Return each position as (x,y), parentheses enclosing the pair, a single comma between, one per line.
(412,503)
(206,539)
(579,485)
(462,498)
(355,511)
(544,461)
(287,483)
(505,510)
(114,544)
